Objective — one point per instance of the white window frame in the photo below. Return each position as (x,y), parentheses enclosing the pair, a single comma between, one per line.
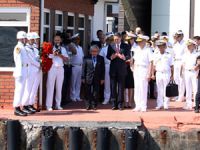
(71,27)
(59,28)
(14,24)
(47,26)
(82,16)
(91,26)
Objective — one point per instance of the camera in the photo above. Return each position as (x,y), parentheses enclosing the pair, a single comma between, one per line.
(58,49)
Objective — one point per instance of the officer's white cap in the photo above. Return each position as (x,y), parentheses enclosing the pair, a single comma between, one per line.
(21,35)
(109,34)
(30,36)
(179,32)
(75,36)
(142,37)
(190,42)
(130,35)
(164,37)
(36,36)
(160,42)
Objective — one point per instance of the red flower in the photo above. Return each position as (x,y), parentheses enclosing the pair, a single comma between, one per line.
(47,48)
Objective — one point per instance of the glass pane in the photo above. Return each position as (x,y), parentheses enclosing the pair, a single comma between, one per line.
(12,16)
(58,20)
(46,18)
(70,21)
(81,34)
(46,35)
(8,42)
(81,22)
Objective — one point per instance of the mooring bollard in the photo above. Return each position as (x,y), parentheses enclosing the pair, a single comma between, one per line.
(75,138)
(47,138)
(13,135)
(103,139)
(131,139)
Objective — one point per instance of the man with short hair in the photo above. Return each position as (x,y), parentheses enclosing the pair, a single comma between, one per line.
(118,53)
(56,74)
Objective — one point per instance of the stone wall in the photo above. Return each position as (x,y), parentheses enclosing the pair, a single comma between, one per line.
(147,139)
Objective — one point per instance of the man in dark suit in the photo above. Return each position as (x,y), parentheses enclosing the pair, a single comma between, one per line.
(118,53)
(93,74)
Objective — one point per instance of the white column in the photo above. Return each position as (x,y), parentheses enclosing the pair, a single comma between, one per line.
(99,19)
(179,16)
(197,18)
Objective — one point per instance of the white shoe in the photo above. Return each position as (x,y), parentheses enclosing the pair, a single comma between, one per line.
(59,108)
(136,109)
(166,107)
(158,107)
(105,102)
(187,108)
(143,110)
(49,109)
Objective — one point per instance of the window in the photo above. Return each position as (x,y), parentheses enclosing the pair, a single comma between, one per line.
(12,20)
(81,28)
(46,32)
(58,21)
(71,23)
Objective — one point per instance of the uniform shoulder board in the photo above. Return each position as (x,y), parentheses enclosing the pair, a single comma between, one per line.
(17,49)
(167,52)
(170,46)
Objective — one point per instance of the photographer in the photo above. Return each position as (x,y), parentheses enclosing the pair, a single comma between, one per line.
(56,74)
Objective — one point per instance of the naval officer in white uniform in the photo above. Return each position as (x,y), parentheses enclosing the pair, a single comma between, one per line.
(20,72)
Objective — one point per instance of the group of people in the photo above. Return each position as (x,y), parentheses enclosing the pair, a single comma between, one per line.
(118,68)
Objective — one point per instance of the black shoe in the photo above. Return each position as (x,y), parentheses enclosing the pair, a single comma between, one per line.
(114,108)
(18,112)
(88,108)
(31,108)
(196,110)
(94,107)
(26,110)
(120,108)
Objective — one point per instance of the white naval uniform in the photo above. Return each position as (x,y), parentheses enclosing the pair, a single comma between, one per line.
(179,50)
(37,78)
(55,76)
(76,61)
(33,69)
(189,62)
(162,64)
(20,72)
(103,53)
(142,59)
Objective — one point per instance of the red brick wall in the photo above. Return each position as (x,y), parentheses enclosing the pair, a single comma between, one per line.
(35,10)
(6,78)
(6,89)
(77,6)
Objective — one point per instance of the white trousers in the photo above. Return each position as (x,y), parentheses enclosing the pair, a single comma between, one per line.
(162,79)
(20,83)
(35,86)
(107,83)
(55,76)
(76,82)
(141,86)
(191,86)
(178,79)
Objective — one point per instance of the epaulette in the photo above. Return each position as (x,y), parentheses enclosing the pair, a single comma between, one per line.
(17,49)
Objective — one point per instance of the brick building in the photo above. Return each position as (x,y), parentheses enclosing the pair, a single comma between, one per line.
(45,17)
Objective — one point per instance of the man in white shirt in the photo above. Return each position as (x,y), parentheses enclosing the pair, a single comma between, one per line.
(179,50)
(142,61)
(163,66)
(56,74)
(103,52)
(190,72)
(76,61)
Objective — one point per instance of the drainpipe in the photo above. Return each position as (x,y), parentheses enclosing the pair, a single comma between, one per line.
(41,40)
